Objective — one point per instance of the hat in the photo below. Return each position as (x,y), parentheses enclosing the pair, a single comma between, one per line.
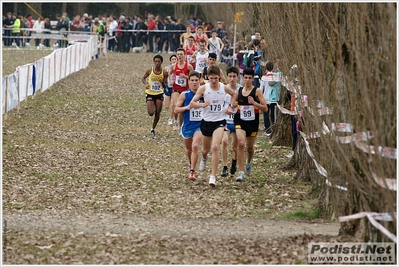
(168,17)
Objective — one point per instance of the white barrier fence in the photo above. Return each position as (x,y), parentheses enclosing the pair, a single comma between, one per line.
(42,74)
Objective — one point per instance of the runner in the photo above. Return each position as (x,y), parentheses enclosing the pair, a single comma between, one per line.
(200,35)
(215,45)
(154,80)
(213,119)
(212,61)
(190,50)
(248,100)
(178,78)
(190,130)
(168,90)
(232,75)
(201,57)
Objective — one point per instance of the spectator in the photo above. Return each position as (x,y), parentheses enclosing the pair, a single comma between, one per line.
(119,33)
(293,107)
(127,35)
(113,25)
(76,24)
(180,29)
(221,32)
(25,24)
(161,36)
(271,93)
(38,27)
(170,27)
(141,34)
(7,24)
(151,34)
(16,29)
(254,61)
(47,30)
(86,27)
(28,25)
(63,27)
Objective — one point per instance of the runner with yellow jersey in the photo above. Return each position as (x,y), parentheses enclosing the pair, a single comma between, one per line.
(155,79)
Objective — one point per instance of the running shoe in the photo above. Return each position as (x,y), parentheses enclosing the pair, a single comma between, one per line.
(170,121)
(175,126)
(202,164)
(212,180)
(233,168)
(240,176)
(192,175)
(153,132)
(248,168)
(225,171)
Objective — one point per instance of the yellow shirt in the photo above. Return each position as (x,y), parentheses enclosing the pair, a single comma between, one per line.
(155,83)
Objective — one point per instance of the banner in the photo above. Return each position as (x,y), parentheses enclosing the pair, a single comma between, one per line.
(46,74)
(12,91)
(39,74)
(23,78)
(3,94)
(57,58)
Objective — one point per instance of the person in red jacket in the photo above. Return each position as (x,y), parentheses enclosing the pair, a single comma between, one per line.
(151,34)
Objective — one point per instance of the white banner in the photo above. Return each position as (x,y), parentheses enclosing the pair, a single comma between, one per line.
(46,73)
(57,57)
(12,91)
(3,94)
(51,70)
(30,80)
(67,65)
(73,56)
(23,77)
(39,74)
(64,61)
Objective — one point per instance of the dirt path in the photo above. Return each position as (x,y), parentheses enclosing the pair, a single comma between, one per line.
(84,182)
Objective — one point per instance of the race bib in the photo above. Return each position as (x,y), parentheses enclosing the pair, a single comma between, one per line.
(215,106)
(181,81)
(202,64)
(230,118)
(247,113)
(156,86)
(195,114)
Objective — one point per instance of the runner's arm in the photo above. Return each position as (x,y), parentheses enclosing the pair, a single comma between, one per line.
(179,104)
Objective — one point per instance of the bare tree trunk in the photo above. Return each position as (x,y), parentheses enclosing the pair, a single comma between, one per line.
(64,8)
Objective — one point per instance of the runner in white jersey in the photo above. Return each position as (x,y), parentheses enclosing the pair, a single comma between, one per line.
(201,57)
(232,76)
(213,118)
(215,45)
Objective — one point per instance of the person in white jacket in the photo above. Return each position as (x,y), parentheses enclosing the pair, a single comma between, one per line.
(271,86)
(38,27)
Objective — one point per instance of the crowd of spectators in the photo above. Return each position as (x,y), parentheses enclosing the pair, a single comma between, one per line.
(152,32)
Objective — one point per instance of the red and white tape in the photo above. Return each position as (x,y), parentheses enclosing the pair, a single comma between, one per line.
(286,111)
(386,152)
(373,216)
(320,168)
